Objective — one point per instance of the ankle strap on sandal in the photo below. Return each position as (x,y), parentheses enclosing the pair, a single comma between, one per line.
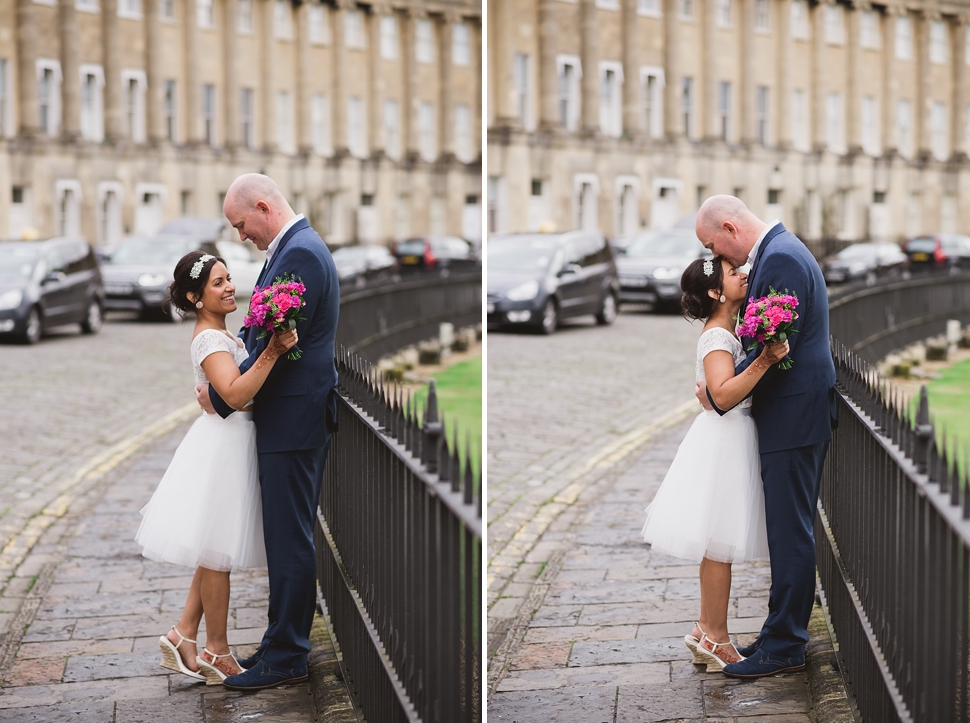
(182,638)
(716,645)
(216,656)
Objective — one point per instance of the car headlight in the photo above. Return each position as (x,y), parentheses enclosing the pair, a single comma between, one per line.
(151,279)
(11,299)
(523,292)
(665,273)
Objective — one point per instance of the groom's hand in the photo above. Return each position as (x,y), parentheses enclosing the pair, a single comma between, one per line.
(700,391)
(202,397)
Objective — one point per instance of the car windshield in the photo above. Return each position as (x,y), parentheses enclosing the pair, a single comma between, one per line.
(521,254)
(153,251)
(660,243)
(359,253)
(17,260)
(926,245)
(856,252)
(415,247)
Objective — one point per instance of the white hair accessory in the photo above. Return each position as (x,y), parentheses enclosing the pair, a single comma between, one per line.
(708,267)
(206,258)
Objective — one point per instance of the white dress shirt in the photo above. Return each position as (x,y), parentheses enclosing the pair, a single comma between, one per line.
(757,244)
(276,241)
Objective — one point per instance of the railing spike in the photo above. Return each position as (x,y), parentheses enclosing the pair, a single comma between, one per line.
(444,468)
(432,413)
(455,460)
(469,476)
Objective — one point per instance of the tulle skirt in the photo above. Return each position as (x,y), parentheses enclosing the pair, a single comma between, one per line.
(711,503)
(206,511)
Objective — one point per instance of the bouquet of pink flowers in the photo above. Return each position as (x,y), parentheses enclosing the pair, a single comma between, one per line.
(770,319)
(276,308)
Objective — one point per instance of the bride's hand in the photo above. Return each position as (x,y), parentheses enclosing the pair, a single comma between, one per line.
(282,342)
(774,353)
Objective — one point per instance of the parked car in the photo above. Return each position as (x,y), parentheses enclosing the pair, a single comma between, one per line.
(141,269)
(537,280)
(654,261)
(243,268)
(204,229)
(49,283)
(360,264)
(865,262)
(944,251)
(434,252)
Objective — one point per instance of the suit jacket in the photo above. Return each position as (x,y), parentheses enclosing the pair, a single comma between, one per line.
(794,407)
(296,407)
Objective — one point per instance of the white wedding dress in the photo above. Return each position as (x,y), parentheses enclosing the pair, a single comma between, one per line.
(206,511)
(711,503)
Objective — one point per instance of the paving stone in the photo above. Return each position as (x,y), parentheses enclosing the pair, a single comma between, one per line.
(290,704)
(639,572)
(663,702)
(541,655)
(580,632)
(48,630)
(556,616)
(638,612)
(251,617)
(35,671)
(115,689)
(505,608)
(66,713)
(765,696)
(65,648)
(645,674)
(599,652)
(120,604)
(171,709)
(118,665)
(607,591)
(588,704)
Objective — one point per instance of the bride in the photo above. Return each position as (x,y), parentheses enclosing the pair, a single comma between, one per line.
(206,511)
(710,507)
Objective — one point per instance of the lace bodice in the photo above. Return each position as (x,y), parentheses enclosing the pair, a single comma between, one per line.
(718,339)
(209,341)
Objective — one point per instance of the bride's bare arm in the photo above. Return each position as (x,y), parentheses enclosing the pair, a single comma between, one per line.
(237,389)
(726,389)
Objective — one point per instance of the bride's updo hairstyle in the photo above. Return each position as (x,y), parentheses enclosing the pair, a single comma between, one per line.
(696,302)
(184,284)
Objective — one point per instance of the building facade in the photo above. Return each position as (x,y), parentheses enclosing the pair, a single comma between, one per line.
(846,120)
(118,115)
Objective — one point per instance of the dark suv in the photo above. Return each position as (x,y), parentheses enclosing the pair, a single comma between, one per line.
(49,283)
(535,279)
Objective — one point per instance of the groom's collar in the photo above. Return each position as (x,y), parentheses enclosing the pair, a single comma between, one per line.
(279,237)
(753,254)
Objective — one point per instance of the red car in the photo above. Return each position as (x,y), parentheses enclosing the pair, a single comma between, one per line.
(949,251)
(434,252)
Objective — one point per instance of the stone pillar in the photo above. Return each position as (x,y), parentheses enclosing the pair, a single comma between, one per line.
(338,104)
(590,42)
(301,93)
(816,95)
(853,96)
(632,105)
(192,93)
(783,91)
(708,126)
(890,93)
(70,70)
(114,126)
(412,101)
(673,125)
(28,102)
(155,97)
(446,68)
(958,60)
(747,125)
(924,97)
(548,70)
(377,82)
(231,127)
(267,48)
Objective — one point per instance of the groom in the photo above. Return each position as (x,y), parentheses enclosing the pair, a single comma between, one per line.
(794,410)
(295,415)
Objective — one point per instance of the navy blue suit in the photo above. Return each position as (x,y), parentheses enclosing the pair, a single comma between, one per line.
(795,411)
(295,415)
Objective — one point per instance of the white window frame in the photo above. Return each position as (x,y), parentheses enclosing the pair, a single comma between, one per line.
(246,21)
(654,124)
(282,19)
(685,9)
(966,47)
(54,106)
(320,121)
(724,13)
(940,131)
(574,96)
(205,14)
(319,21)
(905,141)
(424,41)
(903,38)
(87,6)
(688,111)
(137,130)
(620,184)
(650,8)
(580,180)
(357,127)
(524,92)
(249,120)
(285,131)
(762,16)
(799,119)
(392,131)
(762,114)
(869,120)
(174,136)
(130,9)
(96,132)
(427,131)
(611,117)
(966,126)
(608,4)
(939,42)
(104,188)
(799,26)
(213,139)
(725,110)
(61,187)
(463,133)
(835,122)
(7,129)
(870,37)
(390,37)
(355,35)
(461,44)
(834,24)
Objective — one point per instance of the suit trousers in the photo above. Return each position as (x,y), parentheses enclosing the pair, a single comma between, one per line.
(791,479)
(290,489)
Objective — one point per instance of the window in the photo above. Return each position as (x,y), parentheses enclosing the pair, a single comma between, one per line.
(651,8)
(89,6)
(799,20)
(389,41)
(282,19)
(611,103)
(319,21)
(799,120)
(426,132)
(246,109)
(938,42)
(608,4)
(460,45)
(653,83)
(870,125)
(761,114)
(687,105)
(130,9)
(49,96)
(354,36)
(686,9)
(166,9)
(834,25)
(284,121)
(914,215)
(834,122)
(356,127)
(904,37)
(762,15)
(463,133)
(209,113)
(940,131)
(966,48)
(205,13)
(569,75)
(244,16)
(92,105)
(724,110)
(320,119)
(523,89)
(68,217)
(6,128)
(424,41)
(134,85)
(170,115)
(392,129)
(869,36)
(724,13)
(904,128)
(966,125)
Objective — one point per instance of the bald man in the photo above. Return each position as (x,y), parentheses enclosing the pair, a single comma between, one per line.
(295,415)
(795,411)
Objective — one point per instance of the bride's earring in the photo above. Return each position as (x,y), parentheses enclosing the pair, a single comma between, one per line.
(198,304)
(722,299)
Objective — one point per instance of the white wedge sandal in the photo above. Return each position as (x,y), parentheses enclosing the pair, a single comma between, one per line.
(691,642)
(172,659)
(714,662)
(214,676)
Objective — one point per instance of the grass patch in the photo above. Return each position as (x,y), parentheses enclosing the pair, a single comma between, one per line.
(949,398)
(459,392)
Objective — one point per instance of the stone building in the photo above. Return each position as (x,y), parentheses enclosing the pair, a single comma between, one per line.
(847,120)
(118,115)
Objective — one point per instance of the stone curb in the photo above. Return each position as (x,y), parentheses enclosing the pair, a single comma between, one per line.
(830,702)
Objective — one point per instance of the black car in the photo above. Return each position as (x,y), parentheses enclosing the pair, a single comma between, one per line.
(654,261)
(359,265)
(434,252)
(49,283)
(141,269)
(536,280)
(866,262)
(942,252)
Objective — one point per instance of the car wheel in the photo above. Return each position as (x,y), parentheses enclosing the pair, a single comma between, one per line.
(94,319)
(35,326)
(550,317)
(607,313)
(172,314)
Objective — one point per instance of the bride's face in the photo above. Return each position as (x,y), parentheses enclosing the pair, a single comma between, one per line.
(735,283)
(219,296)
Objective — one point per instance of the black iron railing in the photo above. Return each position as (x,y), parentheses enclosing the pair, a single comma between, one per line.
(399,555)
